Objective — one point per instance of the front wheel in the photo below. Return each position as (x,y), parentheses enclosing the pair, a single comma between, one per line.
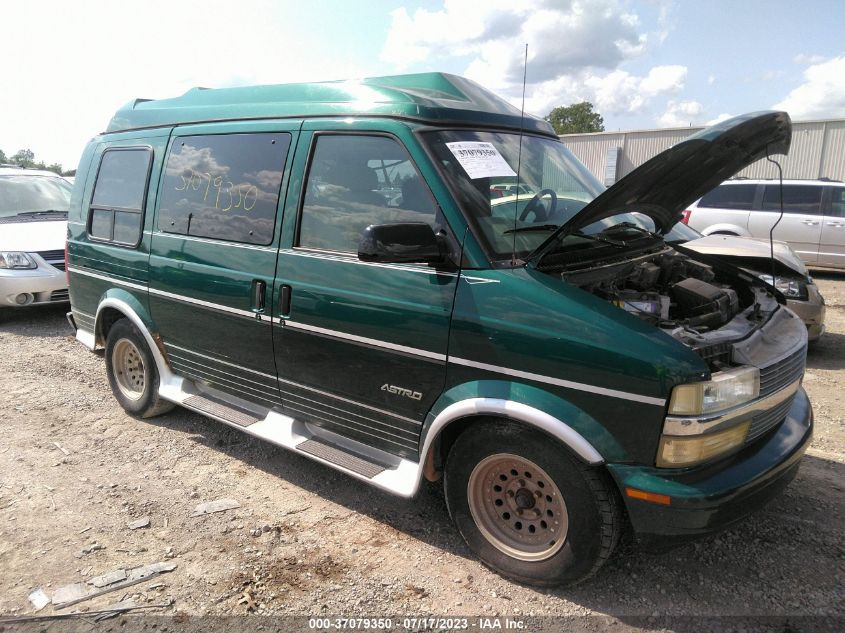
(527,508)
(132,372)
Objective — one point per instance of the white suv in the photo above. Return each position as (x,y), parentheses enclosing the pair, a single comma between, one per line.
(33,230)
(813,220)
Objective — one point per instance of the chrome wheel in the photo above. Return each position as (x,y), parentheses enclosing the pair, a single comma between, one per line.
(517,507)
(129,372)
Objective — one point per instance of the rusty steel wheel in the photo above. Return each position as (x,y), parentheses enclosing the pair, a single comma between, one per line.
(527,507)
(132,371)
(517,507)
(130,375)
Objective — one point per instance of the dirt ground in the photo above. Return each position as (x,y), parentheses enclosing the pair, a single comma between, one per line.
(75,470)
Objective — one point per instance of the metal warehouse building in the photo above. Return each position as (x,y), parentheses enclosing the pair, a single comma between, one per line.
(818,151)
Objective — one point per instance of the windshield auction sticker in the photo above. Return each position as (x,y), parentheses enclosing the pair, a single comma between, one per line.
(480,160)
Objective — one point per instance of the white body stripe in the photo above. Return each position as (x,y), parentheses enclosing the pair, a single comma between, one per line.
(367,341)
(558,381)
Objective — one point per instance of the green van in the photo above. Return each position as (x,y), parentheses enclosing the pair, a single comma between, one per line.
(324,266)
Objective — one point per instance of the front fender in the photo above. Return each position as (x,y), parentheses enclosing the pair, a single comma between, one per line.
(577,430)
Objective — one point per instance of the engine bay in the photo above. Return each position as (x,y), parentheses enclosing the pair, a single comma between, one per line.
(696,303)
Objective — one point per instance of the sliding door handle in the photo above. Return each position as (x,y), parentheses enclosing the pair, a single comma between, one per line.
(257,295)
(284,300)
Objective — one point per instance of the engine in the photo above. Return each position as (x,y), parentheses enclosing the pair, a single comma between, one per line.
(668,289)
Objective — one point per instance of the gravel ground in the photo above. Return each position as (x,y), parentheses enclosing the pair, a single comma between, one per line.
(75,470)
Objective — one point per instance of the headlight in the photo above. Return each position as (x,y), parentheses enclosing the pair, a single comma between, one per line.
(13,259)
(792,288)
(724,390)
(681,451)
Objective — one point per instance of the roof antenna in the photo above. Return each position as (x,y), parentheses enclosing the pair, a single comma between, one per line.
(780,217)
(519,155)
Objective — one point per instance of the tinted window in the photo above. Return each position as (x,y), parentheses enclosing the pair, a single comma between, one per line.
(837,201)
(796,198)
(117,205)
(354,181)
(729,197)
(224,187)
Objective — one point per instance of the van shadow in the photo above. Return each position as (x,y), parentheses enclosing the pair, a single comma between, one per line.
(827,273)
(734,573)
(424,517)
(828,352)
(45,321)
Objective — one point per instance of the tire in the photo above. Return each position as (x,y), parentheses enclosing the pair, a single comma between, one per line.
(132,372)
(570,517)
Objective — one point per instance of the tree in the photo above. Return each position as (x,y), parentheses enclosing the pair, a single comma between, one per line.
(575,119)
(3,158)
(24,158)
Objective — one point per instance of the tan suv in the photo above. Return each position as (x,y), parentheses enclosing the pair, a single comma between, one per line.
(813,221)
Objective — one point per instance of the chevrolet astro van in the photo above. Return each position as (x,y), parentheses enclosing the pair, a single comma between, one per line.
(323,266)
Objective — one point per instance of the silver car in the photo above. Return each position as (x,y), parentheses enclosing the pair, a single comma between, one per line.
(33,228)
(813,222)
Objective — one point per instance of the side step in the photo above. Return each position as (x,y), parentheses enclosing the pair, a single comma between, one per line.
(335,455)
(383,470)
(220,410)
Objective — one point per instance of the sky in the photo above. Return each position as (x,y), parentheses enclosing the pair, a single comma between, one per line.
(69,64)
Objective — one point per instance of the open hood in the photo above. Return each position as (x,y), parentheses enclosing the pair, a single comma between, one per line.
(751,253)
(668,183)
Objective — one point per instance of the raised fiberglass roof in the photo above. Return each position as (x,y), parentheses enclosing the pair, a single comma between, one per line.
(432,97)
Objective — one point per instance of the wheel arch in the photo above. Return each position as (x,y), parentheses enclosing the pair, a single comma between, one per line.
(468,404)
(118,304)
(726,229)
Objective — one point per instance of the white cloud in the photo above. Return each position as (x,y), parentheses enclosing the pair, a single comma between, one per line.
(721,117)
(575,48)
(616,92)
(680,114)
(807,59)
(711,79)
(822,95)
(562,37)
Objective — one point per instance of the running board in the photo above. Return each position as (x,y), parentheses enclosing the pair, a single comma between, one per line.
(383,470)
(339,457)
(223,410)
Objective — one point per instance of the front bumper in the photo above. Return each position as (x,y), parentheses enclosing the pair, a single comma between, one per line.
(26,287)
(811,311)
(710,498)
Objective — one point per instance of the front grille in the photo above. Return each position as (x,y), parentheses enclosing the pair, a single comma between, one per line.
(55,258)
(763,422)
(773,378)
(778,375)
(59,295)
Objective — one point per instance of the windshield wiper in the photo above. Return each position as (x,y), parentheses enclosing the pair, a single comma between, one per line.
(600,238)
(534,227)
(46,212)
(631,225)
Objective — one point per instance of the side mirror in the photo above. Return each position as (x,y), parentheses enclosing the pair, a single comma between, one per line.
(408,242)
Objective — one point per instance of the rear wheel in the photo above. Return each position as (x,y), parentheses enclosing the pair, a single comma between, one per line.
(527,508)
(132,372)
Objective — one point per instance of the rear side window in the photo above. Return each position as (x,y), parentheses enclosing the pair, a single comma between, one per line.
(837,202)
(796,198)
(355,181)
(117,206)
(729,197)
(224,187)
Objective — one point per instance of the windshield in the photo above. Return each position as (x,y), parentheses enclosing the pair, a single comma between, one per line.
(30,193)
(481,168)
